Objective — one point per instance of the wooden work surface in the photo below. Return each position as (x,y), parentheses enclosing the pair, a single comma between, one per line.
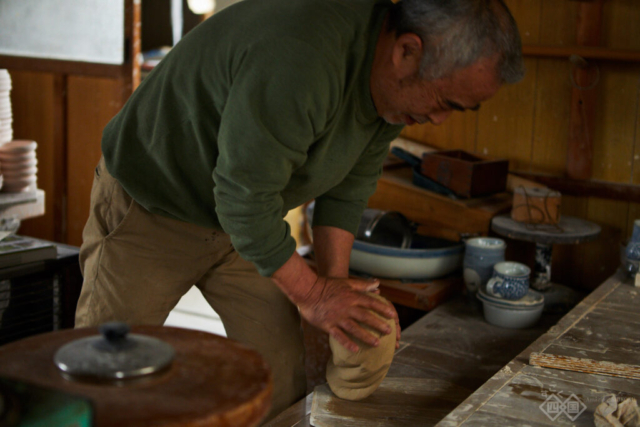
(452,348)
(604,326)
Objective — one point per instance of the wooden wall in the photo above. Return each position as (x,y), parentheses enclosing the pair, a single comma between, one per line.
(67,125)
(528,123)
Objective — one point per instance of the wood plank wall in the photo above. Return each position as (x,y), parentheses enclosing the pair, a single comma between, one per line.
(33,105)
(90,103)
(528,123)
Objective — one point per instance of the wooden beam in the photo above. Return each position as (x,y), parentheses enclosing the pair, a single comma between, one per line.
(133,43)
(61,67)
(586,188)
(584,98)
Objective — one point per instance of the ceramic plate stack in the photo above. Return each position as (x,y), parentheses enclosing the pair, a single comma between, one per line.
(18,163)
(6,130)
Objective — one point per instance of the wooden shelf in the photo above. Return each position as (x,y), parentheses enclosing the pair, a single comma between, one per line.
(586,52)
(439,216)
(586,188)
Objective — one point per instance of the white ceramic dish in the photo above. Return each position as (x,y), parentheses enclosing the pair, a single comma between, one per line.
(19,183)
(532,298)
(19,172)
(15,189)
(505,314)
(18,147)
(428,258)
(14,157)
(9,165)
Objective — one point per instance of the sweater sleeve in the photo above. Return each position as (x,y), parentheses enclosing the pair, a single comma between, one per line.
(280,94)
(342,206)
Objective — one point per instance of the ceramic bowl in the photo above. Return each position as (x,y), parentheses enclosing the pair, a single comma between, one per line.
(428,258)
(521,314)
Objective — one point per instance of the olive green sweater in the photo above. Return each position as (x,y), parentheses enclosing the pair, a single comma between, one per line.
(259,109)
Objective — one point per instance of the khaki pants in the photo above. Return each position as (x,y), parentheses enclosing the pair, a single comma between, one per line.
(137,265)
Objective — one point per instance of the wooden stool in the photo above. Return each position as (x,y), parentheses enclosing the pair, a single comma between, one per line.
(212,380)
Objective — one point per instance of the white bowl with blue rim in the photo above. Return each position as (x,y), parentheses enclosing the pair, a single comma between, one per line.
(519,314)
(428,258)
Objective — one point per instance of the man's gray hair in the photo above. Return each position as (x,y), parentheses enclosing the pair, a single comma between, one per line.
(456,33)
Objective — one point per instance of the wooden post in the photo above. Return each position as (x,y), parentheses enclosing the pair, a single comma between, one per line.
(60,158)
(584,97)
(132,36)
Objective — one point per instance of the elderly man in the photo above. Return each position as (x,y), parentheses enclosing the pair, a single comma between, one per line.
(266,105)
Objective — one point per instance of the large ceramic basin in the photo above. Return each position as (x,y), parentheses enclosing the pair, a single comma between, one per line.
(428,258)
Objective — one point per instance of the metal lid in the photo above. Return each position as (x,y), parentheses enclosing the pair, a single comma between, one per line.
(115,354)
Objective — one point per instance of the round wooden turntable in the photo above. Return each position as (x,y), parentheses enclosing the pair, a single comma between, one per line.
(212,381)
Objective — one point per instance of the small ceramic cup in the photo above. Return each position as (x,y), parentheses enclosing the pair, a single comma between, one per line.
(633,247)
(481,254)
(510,280)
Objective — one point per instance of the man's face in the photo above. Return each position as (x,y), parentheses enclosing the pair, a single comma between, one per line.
(411,99)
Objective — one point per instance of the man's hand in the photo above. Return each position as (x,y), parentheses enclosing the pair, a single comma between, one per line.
(337,305)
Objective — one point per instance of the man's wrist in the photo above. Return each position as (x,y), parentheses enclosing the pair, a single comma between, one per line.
(296,279)
(332,247)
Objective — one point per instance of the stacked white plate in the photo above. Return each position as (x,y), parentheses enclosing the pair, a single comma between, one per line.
(6,129)
(19,165)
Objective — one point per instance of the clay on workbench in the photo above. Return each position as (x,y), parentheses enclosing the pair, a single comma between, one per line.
(355,376)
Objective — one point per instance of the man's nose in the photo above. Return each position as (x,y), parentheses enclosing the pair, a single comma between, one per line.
(437,118)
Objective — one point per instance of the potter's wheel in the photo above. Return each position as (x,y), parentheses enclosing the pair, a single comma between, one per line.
(211,381)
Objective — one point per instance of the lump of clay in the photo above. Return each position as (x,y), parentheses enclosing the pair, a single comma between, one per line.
(354,376)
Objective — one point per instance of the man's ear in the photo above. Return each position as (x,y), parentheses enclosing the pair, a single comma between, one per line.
(407,53)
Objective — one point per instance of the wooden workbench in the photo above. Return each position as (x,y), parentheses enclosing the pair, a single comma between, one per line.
(604,328)
(452,347)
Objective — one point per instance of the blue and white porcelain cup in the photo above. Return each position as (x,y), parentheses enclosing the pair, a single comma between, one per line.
(633,247)
(510,280)
(481,254)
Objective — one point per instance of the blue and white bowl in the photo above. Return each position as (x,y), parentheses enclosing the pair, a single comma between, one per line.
(523,313)
(428,258)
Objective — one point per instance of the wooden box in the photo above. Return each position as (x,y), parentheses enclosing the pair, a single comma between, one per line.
(467,175)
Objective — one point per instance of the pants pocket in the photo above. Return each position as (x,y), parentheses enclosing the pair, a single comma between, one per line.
(111,206)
